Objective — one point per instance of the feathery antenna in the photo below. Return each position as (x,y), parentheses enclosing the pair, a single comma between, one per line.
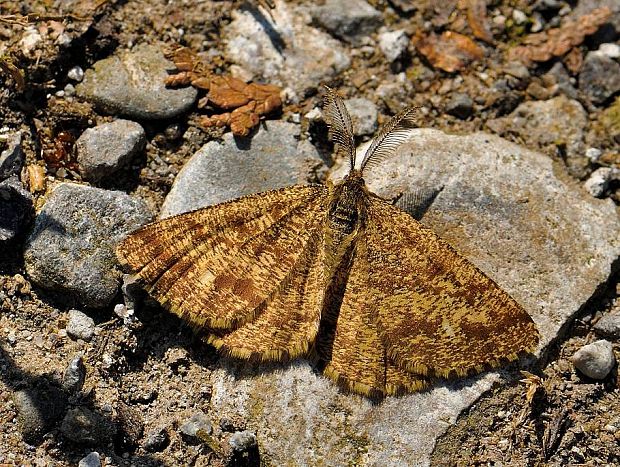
(390,137)
(340,126)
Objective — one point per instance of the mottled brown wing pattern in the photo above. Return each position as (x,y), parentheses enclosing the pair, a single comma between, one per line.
(289,322)
(215,267)
(438,314)
(349,343)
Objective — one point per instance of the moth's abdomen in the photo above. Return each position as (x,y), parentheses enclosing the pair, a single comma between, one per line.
(343,219)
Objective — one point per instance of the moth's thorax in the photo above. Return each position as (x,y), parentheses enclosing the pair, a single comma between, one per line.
(348,204)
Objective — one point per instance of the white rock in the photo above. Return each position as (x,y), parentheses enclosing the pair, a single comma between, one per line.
(598,182)
(595,360)
(610,49)
(393,44)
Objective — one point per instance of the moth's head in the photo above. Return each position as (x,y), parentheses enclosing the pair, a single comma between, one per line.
(393,133)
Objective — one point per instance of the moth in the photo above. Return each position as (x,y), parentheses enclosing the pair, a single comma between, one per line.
(380,302)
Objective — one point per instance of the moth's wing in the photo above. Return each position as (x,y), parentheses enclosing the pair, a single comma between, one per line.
(438,313)
(348,342)
(289,322)
(217,266)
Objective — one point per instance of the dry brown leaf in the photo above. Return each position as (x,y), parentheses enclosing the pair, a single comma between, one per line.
(248,101)
(450,52)
(543,46)
(478,21)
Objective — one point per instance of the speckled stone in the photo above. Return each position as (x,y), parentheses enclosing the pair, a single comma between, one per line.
(595,360)
(131,83)
(350,20)
(71,247)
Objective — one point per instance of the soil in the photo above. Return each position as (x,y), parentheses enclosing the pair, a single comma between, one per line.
(155,365)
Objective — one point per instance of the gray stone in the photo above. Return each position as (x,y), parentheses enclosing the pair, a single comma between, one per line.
(197,428)
(131,83)
(242,440)
(599,78)
(363,114)
(563,80)
(218,172)
(393,44)
(598,182)
(285,50)
(38,409)
(104,149)
(550,124)
(80,325)
(71,247)
(82,425)
(16,209)
(501,206)
(609,325)
(610,49)
(460,105)
(91,460)
(12,156)
(595,360)
(156,440)
(350,20)
(76,73)
(74,375)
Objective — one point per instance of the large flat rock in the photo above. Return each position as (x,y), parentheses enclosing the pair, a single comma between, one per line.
(535,232)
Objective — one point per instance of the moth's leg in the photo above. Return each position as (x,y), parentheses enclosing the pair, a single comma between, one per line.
(417,202)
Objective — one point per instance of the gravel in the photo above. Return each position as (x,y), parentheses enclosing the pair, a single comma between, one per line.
(595,360)
(350,20)
(156,440)
(16,209)
(195,429)
(461,106)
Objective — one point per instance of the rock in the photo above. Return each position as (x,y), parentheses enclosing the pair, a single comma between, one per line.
(91,460)
(563,80)
(364,116)
(75,374)
(273,158)
(501,207)
(156,440)
(609,121)
(38,409)
(80,325)
(461,106)
(393,44)
(610,49)
(553,125)
(71,247)
(609,325)
(595,360)
(197,428)
(350,20)
(12,156)
(16,209)
(599,180)
(517,70)
(242,440)
(104,149)
(82,425)
(131,83)
(599,78)
(76,74)
(284,51)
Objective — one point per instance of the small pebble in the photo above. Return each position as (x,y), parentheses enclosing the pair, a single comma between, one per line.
(599,78)
(609,325)
(393,44)
(92,460)
(80,325)
(38,409)
(610,49)
(82,425)
(598,181)
(196,428)
(595,360)
(156,440)
(76,74)
(461,106)
(593,154)
(242,441)
(74,376)
(519,17)
(363,114)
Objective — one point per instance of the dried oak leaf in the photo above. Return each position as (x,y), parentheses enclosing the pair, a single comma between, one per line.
(450,52)
(247,101)
(545,45)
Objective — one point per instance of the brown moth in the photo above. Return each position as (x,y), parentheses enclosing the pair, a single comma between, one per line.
(334,272)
